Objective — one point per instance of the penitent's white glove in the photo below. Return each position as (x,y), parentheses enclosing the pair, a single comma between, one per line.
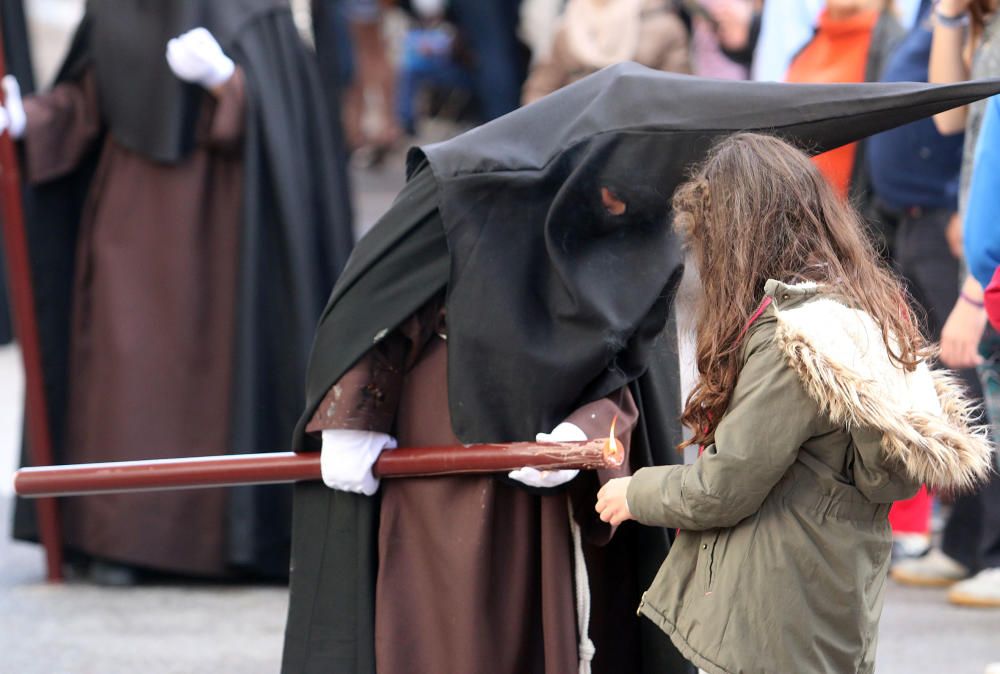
(564,432)
(195,56)
(12,117)
(347,458)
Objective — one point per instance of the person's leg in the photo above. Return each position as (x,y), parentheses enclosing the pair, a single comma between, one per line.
(962,531)
(384,78)
(490,26)
(450,75)
(989,532)
(373,74)
(972,535)
(987,500)
(933,277)
(354,98)
(932,273)
(406,92)
(418,72)
(910,522)
(983,589)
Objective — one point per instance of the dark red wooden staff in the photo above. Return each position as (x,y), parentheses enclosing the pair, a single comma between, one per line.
(233,470)
(22,301)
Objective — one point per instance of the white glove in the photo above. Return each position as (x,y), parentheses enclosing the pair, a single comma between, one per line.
(12,117)
(348,456)
(195,56)
(564,432)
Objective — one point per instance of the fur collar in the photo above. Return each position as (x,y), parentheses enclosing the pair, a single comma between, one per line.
(928,426)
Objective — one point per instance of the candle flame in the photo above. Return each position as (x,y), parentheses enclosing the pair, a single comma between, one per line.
(614,452)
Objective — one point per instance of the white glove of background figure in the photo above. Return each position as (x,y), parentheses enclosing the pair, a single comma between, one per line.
(564,432)
(12,116)
(196,57)
(347,458)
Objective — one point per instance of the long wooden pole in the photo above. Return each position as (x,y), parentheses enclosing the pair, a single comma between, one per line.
(22,301)
(282,467)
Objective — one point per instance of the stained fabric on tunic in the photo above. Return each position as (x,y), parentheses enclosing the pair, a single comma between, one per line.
(475,573)
(155,241)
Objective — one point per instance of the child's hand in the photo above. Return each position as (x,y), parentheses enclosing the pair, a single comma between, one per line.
(611,503)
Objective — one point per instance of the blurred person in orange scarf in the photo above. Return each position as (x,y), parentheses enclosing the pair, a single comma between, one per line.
(852,42)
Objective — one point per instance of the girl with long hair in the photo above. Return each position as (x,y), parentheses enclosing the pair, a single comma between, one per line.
(816,408)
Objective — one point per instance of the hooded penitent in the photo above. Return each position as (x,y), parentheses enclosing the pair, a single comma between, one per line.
(290,230)
(553,299)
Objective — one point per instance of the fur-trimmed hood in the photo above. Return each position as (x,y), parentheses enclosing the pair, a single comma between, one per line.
(929,429)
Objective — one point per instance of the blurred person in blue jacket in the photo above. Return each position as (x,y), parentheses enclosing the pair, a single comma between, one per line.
(969,558)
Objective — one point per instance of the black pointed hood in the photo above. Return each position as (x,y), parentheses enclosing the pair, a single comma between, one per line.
(631,99)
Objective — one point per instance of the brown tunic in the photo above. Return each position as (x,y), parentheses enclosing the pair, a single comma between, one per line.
(152,330)
(475,574)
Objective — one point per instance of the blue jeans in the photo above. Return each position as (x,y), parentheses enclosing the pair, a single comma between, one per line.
(490,26)
(415,74)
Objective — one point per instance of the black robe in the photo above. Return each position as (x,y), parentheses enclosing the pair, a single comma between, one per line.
(18,61)
(552,301)
(295,236)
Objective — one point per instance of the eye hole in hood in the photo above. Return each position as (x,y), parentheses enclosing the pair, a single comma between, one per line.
(612,204)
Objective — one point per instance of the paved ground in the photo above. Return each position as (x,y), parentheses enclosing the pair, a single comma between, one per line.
(77,629)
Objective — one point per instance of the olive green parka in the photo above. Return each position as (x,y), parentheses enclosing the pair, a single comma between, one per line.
(781,562)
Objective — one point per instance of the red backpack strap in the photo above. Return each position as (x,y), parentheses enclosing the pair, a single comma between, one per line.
(765,303)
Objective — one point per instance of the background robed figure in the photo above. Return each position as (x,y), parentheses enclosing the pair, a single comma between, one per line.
(182,246)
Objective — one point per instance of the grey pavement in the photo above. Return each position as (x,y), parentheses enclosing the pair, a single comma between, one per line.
(76,628)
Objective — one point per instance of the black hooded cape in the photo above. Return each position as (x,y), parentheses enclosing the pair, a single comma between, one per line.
(552,301)
(295,237)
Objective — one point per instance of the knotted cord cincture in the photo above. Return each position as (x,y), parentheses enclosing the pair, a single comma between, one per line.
(582,582)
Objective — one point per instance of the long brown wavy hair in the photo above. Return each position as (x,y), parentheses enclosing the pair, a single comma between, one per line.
(759,209)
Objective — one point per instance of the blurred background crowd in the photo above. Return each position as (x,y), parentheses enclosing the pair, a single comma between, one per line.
(397,73)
